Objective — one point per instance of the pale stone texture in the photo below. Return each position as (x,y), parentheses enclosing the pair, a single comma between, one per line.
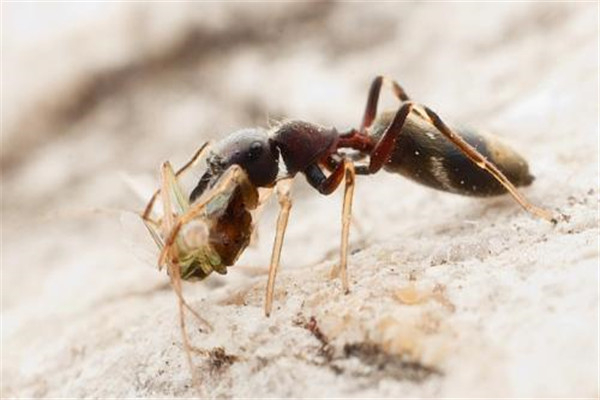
(449,296)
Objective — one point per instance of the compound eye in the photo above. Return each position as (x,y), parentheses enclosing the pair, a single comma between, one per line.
(256,149)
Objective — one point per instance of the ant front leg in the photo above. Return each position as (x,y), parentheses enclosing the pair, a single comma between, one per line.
(285,204)
(325,185)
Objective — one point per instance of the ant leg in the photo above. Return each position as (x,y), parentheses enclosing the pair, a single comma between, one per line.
(384,147)
(346,219)
(317,179)
(358,139)
(197,155)
(355,139)
(483,163)
(285,204)
(373,99)
(325,185)
(382,150)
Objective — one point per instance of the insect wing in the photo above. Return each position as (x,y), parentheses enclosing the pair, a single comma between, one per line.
(142,246)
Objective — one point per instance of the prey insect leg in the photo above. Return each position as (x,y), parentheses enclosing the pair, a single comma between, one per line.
(285,204)
(169,185)
(197,155)
(175,275)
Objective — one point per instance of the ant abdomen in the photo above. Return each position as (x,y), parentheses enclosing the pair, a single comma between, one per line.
(424,155)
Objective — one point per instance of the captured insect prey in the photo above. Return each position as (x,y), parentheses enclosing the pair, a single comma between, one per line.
(206,230)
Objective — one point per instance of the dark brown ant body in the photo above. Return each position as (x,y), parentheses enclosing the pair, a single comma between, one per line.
(412,141)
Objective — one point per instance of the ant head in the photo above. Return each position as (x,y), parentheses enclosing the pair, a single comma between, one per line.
(251,149)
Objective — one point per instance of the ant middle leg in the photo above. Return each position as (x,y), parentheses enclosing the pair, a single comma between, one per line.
(340,170)
(317,179)
(349,174)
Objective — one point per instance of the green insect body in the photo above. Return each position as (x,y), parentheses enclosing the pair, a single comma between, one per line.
(217,235)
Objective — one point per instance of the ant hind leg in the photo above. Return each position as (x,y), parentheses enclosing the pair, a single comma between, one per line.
(373,99)
(384,147)
(483,163)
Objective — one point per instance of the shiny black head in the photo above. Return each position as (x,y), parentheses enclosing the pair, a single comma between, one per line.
(251,149)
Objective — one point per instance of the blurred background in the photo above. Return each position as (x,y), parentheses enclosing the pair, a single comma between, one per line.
(96,95)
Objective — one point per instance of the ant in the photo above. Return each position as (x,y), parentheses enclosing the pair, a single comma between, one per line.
(207,231)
